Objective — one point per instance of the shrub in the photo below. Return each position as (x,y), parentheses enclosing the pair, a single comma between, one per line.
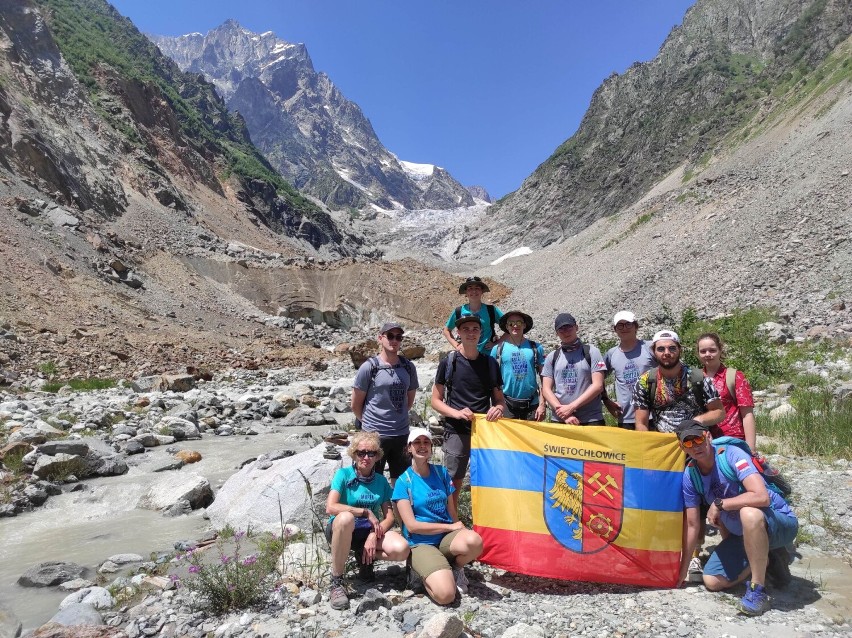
(80,385)
(821,425)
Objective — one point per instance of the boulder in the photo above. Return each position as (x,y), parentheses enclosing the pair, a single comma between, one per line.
(169,490)
(179,382)
(97,597)
(413,350)
(281,405)
(18,448)
(305,416)
(180,429)
(145,384)
(52,448)
(442,625)
(56,630)
(50,574)
(188,456)
(785,409)
(10,626)
(251,496)
(59,466)
(360,352)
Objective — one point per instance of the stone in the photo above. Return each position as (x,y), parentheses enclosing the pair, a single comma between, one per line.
(373,599)
(36,495)
(309,597)
(19,448)
(75,584)
(52,448)
(180,429)
(304,416)
(145,384)
(55,630)
(61,217)
(362,351)
(134,447)
(97,597)
(188,456)
(523,630)
(442,625)
(250,497)
(281,405)
(10,626)
(51,573)
(172,488)
(413,350)
(58,466)
(179,382)
(785,409)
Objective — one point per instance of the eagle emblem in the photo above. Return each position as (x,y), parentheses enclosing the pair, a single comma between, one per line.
(583,502)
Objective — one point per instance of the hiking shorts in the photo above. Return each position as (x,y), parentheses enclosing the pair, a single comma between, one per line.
(428,559)
(456,453)
(730,559)
(393,448)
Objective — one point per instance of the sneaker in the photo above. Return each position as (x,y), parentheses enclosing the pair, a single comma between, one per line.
(461,580)
(755,601)
(778,568)
(337,594)
(695,573)
(367,573)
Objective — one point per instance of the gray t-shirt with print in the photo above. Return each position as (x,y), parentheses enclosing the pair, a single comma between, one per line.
(572,375)
(386,403)
(627,368)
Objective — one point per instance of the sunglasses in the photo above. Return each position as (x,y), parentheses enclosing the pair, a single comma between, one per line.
(515,324)
(666,348)
(623,326)
(694,441)
(393,336)
(368,453)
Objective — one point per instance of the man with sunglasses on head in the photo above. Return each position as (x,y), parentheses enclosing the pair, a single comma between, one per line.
(382,395)
(489,314)
(752,519)
(626,361)
(672,392)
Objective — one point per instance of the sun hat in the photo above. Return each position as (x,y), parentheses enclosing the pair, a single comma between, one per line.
(467,318)
(470,281)
(528,322)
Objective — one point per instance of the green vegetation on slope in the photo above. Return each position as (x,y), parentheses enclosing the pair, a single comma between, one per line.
(92,34)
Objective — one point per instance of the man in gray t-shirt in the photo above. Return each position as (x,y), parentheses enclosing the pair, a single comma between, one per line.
(627,361)
(382,394)
(572,381)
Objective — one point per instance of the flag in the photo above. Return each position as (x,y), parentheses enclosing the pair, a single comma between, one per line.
(586,503)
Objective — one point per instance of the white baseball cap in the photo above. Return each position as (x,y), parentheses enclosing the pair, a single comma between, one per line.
(666,334)
(624,315)
(415,432)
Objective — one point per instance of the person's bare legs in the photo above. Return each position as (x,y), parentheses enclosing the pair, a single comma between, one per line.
(341,541)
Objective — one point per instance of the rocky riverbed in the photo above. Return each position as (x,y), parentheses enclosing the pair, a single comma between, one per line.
(283,412)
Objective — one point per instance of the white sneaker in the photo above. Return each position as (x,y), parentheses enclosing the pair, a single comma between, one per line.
(695,573)
(461,580)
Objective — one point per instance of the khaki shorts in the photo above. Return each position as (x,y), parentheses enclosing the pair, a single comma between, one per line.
(428,559)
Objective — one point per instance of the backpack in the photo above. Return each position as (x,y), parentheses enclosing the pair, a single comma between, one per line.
(375,366)
(536,362)
(696,382)
(586,355)
(772,477)
(731,383)
(492,317)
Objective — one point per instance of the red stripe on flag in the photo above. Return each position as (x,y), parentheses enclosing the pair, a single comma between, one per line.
(542,555)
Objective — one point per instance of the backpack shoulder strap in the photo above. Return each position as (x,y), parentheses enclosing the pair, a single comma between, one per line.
(731,383)
(536,361)
(374,370)
(492,317)
(449,373)
(696,380)
(695,477)
(722,460)
(587,354)
(457,313)
(499,351)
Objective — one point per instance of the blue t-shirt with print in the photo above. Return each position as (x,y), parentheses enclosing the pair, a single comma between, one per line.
(716,485)
(517,367)
(354,493)
(428,498)
(487,334)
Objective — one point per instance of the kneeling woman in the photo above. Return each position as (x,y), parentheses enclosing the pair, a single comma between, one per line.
(440,544)
(359,504)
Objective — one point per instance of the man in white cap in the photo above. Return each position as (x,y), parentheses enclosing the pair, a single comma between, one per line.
(626,361)
(673,392)
(382,395)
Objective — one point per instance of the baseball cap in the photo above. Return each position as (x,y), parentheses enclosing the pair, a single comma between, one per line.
(415,432)
(564,319)
(666,334)
(690,427)
(624,315)
(468,319)
(473,281)
(390,325)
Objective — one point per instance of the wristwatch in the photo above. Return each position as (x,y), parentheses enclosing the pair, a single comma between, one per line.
(718,503)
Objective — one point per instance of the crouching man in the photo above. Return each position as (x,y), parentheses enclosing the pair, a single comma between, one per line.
(752,518)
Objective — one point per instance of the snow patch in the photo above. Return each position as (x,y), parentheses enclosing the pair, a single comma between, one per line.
(417,171)
(523,250)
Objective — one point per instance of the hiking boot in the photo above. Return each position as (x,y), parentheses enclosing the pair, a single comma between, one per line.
(755,601)
(778,567)
(695,573)
(337,594)
(367,573)
(461,580)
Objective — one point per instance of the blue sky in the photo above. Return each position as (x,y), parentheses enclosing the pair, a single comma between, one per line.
(485,88)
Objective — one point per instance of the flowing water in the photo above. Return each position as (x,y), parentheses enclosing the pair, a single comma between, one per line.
(89,526)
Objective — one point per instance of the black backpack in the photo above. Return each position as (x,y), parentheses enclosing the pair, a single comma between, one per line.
(492,317)
(586,355)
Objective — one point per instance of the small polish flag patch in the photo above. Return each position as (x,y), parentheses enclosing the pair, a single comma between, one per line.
(741,465)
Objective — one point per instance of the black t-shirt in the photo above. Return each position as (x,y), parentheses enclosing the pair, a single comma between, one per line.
(473,382)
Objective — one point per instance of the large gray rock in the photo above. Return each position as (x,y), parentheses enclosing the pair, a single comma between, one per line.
(251,496)
(97,597)
(180,429)
(58,466)
(50,574)
(77,614)
(173,488)
(304,416)
(10,626)
(52,448)
(442,625)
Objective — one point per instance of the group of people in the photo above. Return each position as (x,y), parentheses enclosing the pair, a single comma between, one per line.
(509,376)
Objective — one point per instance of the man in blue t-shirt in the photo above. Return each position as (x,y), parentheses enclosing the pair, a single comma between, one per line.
(752,519)
(488,314)
(520,366)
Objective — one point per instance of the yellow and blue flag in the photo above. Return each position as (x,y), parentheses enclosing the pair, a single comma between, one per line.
(586,503)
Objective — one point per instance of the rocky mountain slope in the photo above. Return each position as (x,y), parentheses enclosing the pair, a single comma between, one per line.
(304,125)
(724,67)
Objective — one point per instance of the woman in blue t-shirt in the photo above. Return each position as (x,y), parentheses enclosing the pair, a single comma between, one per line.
(359,505)
(440,544)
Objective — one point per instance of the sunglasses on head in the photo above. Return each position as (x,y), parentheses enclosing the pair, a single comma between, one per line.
(694,441)
(666,348)
(393,336)
(368,453)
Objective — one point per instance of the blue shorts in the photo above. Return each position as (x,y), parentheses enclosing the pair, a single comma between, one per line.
(729,560)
